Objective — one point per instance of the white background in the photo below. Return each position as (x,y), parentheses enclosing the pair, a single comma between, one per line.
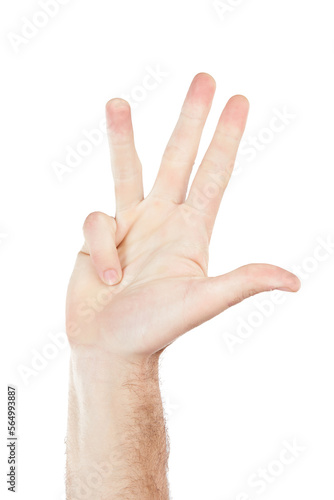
(229,410)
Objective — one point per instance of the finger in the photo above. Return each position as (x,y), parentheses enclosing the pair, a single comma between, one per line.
(180,153)
(216,168)
(211,296)
(99,231)
(125,163)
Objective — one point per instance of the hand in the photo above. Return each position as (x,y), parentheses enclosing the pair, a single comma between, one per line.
(140,280)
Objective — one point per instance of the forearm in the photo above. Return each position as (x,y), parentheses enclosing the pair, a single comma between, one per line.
(116,443)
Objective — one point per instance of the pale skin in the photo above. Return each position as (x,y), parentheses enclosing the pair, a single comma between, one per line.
(139,282)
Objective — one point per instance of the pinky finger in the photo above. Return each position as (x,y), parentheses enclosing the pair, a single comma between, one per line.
(99,232)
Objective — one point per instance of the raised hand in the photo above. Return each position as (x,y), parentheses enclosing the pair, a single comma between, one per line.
(140,280)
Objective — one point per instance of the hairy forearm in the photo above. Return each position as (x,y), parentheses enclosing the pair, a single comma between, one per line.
(116,442)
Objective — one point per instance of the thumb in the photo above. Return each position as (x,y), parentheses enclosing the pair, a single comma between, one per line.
(212,296)
(99,231)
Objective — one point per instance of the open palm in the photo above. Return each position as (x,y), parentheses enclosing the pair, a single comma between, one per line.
(140,280)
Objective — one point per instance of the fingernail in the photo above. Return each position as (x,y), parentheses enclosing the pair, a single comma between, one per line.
(110,277)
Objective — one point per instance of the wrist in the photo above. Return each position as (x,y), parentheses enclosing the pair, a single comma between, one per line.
(116,371)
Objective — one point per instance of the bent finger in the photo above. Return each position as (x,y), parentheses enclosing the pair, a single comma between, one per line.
(99,232)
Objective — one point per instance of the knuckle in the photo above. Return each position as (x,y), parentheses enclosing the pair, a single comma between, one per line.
(249,272)
(249,293)
(174,152)
(92,219)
